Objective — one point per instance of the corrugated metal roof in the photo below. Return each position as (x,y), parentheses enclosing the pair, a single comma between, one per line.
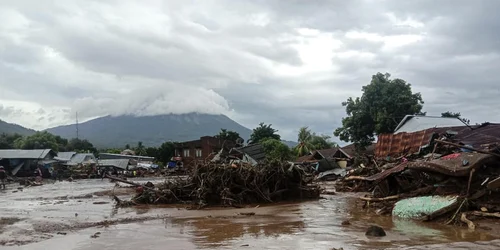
(65,156)
(330,152)
(80,158)
(404,143)
(256,151)
(25,154)
(120,156)
(414,123)
(118,163)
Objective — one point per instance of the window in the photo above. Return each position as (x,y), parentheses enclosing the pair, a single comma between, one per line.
(176,152)
(198,153)
(186,152)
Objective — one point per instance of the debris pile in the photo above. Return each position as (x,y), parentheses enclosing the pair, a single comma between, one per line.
(453,181)
(230,185)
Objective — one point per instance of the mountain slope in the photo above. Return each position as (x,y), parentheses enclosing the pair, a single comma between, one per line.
(117,131)
(10,128)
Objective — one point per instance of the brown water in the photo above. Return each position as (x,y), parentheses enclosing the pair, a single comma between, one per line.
(36,215)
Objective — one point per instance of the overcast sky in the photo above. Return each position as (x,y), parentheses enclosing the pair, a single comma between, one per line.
(290,63)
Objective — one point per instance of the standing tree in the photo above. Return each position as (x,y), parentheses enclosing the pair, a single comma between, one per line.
(228,135)
(140,149)
(309,141)
(304,139)
(7,140)
(263,132)
(276,150)
(165,152)
(80,146)
(322,142)
(42,140)
(383,104)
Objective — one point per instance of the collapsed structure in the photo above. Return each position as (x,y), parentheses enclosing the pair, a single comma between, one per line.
(430,168)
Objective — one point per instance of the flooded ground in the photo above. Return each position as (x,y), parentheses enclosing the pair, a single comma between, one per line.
(80,215)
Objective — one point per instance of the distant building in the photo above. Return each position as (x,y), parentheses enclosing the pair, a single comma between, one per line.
(200,150)
(21,163)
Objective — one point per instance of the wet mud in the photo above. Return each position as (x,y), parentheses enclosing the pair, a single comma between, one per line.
(81,215)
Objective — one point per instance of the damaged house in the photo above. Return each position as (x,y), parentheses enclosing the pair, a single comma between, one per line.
(327,159)
(251,154)
(415,133)
(75,159)
(22,163)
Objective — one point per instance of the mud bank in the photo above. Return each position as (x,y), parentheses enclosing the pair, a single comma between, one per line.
(81,215)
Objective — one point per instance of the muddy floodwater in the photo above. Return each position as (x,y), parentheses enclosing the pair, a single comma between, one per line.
(81,215)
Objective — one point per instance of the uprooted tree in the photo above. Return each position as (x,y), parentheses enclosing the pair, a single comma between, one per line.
(449,114)
(381,107)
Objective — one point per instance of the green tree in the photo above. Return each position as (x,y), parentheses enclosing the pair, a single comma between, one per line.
(276,150)
(309,141)
(152,151)
(322,142)
(228,135)
(304,139)
(455,115)
(111,150)
(79,145)
(165,152)
(41,140)
(7,140)
(383,104)
(263,132)
(127,146)
(140,149)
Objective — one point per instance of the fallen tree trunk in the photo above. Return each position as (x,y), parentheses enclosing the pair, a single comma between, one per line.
(484,214)
(388,198)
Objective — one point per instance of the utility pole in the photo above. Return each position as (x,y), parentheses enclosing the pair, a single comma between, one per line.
(77,125)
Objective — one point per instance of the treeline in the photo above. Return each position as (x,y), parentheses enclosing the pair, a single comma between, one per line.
(44,140)
(264,134)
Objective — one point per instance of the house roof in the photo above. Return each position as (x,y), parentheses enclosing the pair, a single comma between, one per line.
(414,123)
(80,158)
(304,158)
(120,156)
(324,153)
(351,149)
(118,163)
(64,156)
(330,152)
(256,151)
(477,136)
(25,154)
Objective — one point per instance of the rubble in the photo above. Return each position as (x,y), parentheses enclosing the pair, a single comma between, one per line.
(454,177)
(230,185)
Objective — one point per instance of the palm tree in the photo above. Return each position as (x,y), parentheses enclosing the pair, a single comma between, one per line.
(304,139)
(140,149)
